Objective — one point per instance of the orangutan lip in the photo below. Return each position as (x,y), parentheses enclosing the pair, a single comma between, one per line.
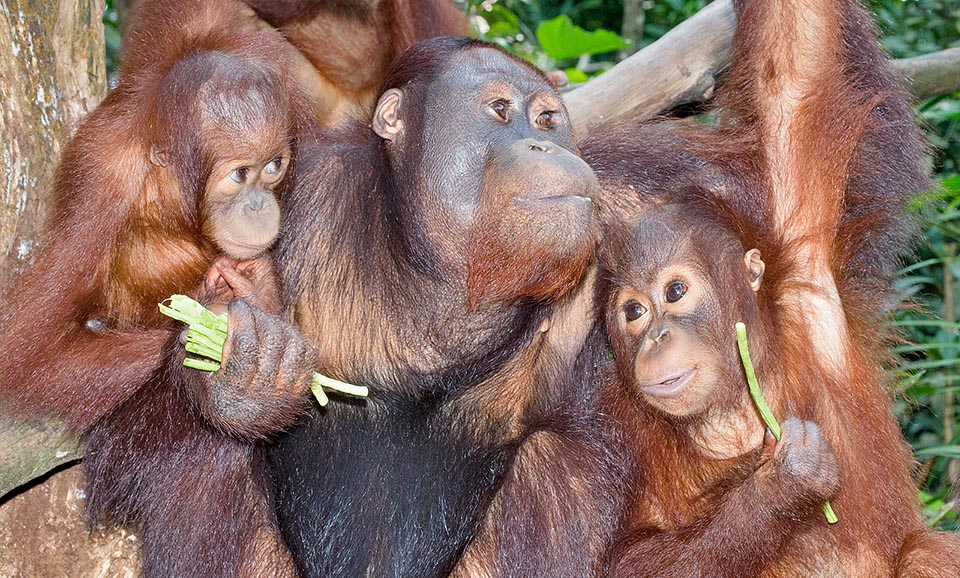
(258,246)
(555,198)
(670,386)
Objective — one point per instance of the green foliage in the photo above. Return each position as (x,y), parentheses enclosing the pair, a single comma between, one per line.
(928,378)
(916,27)
(545,34)
(561,39)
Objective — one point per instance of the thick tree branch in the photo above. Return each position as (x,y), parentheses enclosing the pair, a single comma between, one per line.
(932,74)
(679,68)
(682,68)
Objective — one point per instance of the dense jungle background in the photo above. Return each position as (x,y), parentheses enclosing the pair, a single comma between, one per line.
(586,38)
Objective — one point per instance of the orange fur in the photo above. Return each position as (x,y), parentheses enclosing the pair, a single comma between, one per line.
(813,161)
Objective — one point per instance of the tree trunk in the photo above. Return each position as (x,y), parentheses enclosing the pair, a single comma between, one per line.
(51,74)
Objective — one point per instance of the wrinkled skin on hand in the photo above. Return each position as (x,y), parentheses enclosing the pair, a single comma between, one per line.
(800,468)
(264,379)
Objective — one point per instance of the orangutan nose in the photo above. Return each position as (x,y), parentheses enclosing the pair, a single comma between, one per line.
(539,146)
(254,202)
(659,334)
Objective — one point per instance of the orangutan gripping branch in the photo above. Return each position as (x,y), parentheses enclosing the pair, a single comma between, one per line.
(788,216)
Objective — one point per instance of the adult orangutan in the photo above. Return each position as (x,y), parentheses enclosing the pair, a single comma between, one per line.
(423,257)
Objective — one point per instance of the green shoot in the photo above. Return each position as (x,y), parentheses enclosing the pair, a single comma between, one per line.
(765,414)
(207,332)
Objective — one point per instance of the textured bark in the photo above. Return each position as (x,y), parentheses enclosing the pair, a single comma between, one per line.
(932,74)
(634,17)
(680,68)
(51,74)
(43,535)
(32,449)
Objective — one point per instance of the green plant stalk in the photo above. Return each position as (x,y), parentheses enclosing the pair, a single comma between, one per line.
(765,414)
(200,364)
(197,349)
(207,332)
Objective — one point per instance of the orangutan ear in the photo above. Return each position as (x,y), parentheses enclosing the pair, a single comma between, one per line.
(158,156)
(755,268)
(386,120)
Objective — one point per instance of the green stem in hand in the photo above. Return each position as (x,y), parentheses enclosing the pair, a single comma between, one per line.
(765,414)
(207,332)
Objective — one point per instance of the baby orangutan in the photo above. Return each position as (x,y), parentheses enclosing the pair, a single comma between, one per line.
(678,284)
(184,446)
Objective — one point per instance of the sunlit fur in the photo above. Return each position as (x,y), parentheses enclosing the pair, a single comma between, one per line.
(127,229)
(812,162)
(349,45)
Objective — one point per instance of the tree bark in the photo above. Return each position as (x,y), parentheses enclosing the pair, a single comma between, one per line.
(51,74)
(634,17)
(680,68)
(932,74)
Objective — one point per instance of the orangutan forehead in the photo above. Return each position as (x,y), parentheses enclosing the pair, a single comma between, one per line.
(484,66)
(672,237)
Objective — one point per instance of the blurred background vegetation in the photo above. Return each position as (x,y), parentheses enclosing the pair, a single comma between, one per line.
(586,38)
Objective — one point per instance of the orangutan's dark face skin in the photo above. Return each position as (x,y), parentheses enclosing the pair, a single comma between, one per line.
(500,181)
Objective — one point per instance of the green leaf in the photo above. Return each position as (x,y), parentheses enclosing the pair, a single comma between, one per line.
(576,76)
(951,184)
(561,39)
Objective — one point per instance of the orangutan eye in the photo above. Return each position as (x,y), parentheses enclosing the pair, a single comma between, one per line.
(239,175)
(545,120)
(633,310)
(501,107)
(675,291)
(274,166)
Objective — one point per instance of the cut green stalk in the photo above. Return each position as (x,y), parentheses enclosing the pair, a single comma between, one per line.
(319,394)
(197,349)
(336,385)
(207,332)
(201,364)
(765,414)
